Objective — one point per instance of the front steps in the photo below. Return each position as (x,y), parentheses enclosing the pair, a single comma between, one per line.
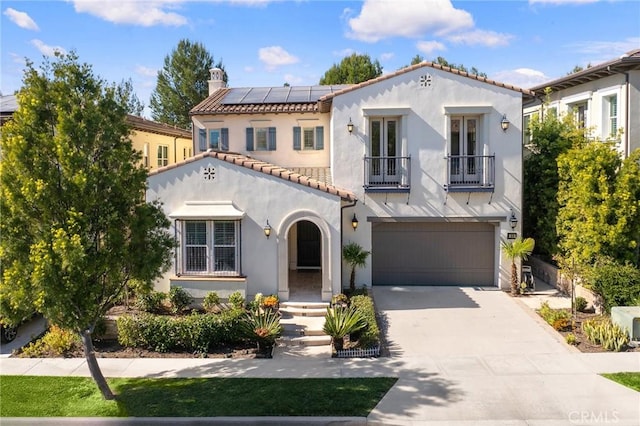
(302,335)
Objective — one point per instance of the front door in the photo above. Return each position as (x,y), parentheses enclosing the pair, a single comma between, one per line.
(464,150)
(309,254)
(384,150)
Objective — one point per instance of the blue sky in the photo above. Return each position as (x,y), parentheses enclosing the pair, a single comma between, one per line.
(268,43)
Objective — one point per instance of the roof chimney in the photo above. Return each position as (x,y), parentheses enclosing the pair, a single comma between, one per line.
(217,80)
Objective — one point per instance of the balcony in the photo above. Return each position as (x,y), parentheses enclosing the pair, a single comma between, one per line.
(387,174)
(470,173)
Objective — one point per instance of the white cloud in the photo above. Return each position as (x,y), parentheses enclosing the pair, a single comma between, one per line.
(428,47)
(481,37)
(275,56)
(45,49)
(17,58)
(382,19)
(293,80)
(521,77)
(21,19)
(387,56)
(248,68)
(607,49)
(343,53)
(146,71)
(143,13)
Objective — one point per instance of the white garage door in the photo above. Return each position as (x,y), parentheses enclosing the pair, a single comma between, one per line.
(428,253)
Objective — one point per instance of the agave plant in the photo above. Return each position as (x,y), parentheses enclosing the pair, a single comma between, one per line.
(340,321)
(262,327)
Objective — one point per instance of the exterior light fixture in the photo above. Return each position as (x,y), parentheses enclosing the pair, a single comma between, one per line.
(350,126)
(267,229)
(504,123)
(513,220)
(354,222)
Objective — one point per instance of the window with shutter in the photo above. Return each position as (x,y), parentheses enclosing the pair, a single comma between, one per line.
(297,139)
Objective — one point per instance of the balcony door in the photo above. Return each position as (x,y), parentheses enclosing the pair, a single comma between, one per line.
(464,150)
(384,150)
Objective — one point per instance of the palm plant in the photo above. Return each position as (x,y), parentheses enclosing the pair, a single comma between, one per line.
(340,321)
(356,257)
(516,250)
(262,326)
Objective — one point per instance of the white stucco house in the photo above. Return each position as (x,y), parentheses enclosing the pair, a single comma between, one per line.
(604,98)
(426,161)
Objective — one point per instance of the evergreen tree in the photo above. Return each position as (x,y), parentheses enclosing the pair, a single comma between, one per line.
(182,83)
(74,227)
(352,70)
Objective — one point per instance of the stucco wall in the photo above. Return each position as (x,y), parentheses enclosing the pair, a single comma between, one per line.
(261,197)
(425,125)
(179,148)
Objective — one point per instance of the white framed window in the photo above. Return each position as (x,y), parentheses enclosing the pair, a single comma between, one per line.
(210,247)
(163,155)
(580,113)
(610,109)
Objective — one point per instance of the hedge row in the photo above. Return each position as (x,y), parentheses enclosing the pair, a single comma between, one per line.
(192,333)
(370,335)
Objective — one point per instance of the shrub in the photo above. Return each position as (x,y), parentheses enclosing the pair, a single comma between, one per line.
(601,331)
(339,299)
(261,326)
(191,333)
(559,319)
(151,301)
(340,321)
(581,304)
(370,334)
(270,302)
(618,284)
(571,339)
(236,299)
(256,303)
(180,299)
(211,300)
(56,342)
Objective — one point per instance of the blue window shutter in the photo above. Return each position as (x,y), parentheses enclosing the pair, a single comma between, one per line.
(320,137)
(297,139)
(272,139)
(224,139)
(249,138)
(202,139)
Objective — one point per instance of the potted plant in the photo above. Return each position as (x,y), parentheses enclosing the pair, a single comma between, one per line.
(340,321)
(517,249)
(356,257)
(264,328)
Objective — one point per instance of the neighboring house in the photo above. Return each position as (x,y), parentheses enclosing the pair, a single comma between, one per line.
(8,105)
(414,166)
(603,97)
(160,144)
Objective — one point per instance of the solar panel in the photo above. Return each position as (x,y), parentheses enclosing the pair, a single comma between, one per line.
(235,96)
(277,95)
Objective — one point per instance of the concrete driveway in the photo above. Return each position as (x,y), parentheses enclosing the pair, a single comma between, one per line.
(479,355)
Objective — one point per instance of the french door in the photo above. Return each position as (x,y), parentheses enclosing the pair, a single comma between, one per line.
(384,151)
(463,149)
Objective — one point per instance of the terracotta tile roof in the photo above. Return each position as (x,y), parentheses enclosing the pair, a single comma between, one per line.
(232,101)
(627,62)
(330,96)
(142,124)
(266,168)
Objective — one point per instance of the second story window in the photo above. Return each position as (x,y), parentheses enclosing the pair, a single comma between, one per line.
(580,113)
(216,139)
(308,138)
(163,155)
(261,138)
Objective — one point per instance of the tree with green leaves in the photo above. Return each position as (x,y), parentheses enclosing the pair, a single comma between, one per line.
(353,69)
(599,196)
(356,257)
(515,250)
(75,228)
(125,91)
(442,61)
(182,83)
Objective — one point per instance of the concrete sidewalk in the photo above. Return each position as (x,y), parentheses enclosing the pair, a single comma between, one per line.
(462,356)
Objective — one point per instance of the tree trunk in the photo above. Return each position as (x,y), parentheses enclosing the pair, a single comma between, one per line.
(514,279)
(352,280)
(94,368)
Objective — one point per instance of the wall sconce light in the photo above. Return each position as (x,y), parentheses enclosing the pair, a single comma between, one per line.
(267,229)
(504,123)
(350,126)
(354,222)
(513,221)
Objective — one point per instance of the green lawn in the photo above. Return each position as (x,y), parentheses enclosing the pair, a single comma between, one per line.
(79,397)
(630,380)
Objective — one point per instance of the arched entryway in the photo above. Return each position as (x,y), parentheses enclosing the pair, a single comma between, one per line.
(303,258)
(305,261)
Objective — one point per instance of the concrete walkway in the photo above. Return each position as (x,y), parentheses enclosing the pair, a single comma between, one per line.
(463,356)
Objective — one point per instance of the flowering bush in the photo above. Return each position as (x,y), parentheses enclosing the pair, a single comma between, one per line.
(270,301)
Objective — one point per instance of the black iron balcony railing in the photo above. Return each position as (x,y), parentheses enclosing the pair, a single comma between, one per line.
(387,174)
(470,173)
